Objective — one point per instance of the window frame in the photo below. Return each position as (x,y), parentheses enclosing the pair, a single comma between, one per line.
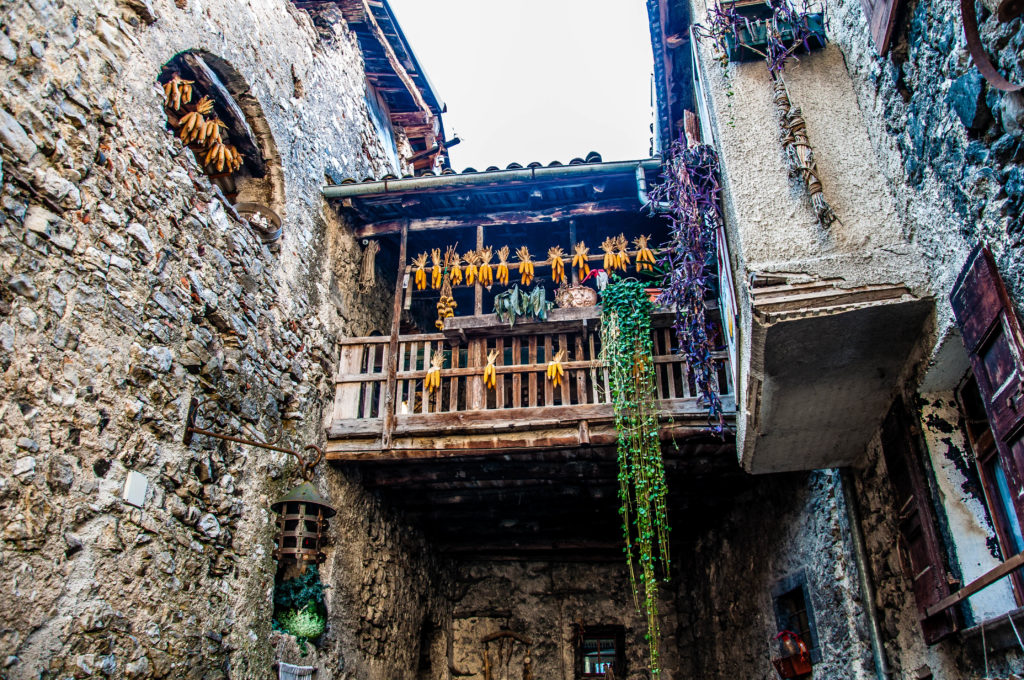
(797,582)
(617,633)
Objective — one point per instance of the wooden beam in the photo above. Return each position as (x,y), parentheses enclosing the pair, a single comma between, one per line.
(552,215)
(984,581)
(396,319)
(389,52)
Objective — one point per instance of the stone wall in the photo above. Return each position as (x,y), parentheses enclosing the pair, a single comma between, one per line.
(129,288)
(786,524)
(547,603)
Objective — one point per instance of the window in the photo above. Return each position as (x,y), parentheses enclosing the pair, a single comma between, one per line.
(793,611)
(601,650)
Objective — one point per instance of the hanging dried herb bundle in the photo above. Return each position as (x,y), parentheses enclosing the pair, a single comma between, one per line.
(691,188)
(628,351)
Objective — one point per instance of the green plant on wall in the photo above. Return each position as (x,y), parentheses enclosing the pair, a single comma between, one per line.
(299,606)
(628,350)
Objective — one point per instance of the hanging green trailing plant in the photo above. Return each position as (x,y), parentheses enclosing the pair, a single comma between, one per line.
(629,353)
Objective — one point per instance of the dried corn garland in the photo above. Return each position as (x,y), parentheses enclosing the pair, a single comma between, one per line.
(436,270)
(490,372)
(611,263)
(472,259)
(644,257)
(485,272)
(621,254)
(556,258)
(454,262)
(580,259)
(525,265)
(420,274)
(502,275)
(555,368)
(432,381)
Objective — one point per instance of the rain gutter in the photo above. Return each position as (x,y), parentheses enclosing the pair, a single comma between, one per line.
(641,191)
(394,186)
(860,557)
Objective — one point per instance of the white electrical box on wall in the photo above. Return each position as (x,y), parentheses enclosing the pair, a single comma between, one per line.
(135,488)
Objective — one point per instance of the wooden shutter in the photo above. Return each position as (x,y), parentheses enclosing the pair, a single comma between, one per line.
(881,15)
(918,545)
(992,335)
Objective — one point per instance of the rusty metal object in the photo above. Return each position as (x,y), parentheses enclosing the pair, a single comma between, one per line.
(977,50)
(302,522)
(799,151)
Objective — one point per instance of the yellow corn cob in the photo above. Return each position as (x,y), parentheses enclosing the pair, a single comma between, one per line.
(420,274)
(502,274)
(525,265)
(579,260)
(556,258)
(485,272)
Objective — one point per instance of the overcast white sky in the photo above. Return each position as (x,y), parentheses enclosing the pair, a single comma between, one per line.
(536,80)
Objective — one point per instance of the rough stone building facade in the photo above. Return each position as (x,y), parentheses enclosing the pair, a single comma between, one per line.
(131,285)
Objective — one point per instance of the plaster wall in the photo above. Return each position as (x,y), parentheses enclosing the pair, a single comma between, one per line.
(127,289)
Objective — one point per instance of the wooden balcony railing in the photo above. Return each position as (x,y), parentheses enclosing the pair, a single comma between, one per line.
(377,409)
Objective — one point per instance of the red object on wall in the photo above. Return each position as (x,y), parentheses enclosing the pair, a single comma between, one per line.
(794,659)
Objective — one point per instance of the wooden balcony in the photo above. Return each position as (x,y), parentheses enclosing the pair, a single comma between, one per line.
(382,410)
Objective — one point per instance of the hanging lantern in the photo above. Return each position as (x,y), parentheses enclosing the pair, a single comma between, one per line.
(302,524)
(302,521)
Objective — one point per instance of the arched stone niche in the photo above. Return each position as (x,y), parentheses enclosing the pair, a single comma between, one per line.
(259,180)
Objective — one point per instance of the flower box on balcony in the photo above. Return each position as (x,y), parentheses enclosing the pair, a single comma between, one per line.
(750,39)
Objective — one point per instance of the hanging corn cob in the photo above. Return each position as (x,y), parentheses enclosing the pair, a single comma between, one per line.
(455,270)
(446,304)
(490,372)
(579,260)
(502,274)
(555,369)
(485,273)
(432,381)
(420,274)
(556,258)
(436,270)
(621,254)
(525,265)
(177,92)
(610,262)
(472,259)
(644,257)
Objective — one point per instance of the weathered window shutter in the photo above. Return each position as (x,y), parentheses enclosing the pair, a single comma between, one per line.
(992,335)
(920,552)
(881,15)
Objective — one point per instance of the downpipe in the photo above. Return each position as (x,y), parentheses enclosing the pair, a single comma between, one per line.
(645,199)
(867,588)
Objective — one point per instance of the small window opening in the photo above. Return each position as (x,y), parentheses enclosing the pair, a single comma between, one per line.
(793,611)
(601,652)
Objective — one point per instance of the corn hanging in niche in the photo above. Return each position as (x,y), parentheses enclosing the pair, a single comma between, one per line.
(177,91)
(556,258)
(436,270)
(420,274)
(490,372)
(472,259)
(486,274)
(525,265)
(502,275)
(645,260)
(580,260)
(555,369)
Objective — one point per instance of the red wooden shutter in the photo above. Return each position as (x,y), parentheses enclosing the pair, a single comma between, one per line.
(881,15)
(919,549)
(992,335)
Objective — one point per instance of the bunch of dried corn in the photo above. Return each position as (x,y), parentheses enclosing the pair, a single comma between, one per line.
(420,274)
(644,257)
(579,259)
(556,258)
(502,275)
(525,265)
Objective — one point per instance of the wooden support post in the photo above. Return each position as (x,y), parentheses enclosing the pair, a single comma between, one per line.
(478,301)
(572,244)
(392,358)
